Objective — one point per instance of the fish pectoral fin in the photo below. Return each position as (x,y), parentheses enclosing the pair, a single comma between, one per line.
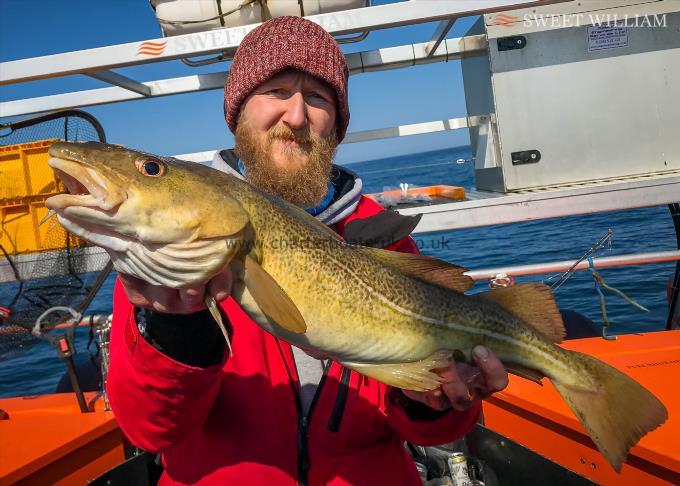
(425,267)
(415,375)
(219,227)
(534,303)
(215,313)
(271,298)
(526,373)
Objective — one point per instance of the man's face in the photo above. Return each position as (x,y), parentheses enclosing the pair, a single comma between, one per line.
(286,137)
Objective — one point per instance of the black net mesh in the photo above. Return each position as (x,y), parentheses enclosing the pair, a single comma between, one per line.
(71,125)
(41,267)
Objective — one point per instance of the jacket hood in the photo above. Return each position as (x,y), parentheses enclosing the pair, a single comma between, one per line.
(347,184)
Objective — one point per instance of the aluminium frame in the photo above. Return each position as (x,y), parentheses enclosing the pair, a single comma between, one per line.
(97,62)
(479,210)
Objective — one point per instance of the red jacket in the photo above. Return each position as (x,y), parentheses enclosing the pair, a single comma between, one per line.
(238,422)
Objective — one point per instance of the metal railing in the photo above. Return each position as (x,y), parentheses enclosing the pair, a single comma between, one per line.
(564,265)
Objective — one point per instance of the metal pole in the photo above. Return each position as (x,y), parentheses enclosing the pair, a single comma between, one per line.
(65,350)
(75,384)
(672,319)
(561,266)
(103,331)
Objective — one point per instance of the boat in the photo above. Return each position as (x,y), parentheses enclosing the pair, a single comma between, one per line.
(516,57)
(186,16)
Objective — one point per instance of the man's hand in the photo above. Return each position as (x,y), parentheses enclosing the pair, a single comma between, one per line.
(465,384)
(176,301)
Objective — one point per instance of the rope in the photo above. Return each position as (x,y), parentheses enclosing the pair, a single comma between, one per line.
(601,284)
(15,270)
(95,288)
(572,270)
(264,10)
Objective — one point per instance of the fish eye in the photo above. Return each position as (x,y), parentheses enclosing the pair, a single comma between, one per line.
(149,166)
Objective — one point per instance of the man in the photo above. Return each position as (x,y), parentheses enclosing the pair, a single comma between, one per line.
(270,414)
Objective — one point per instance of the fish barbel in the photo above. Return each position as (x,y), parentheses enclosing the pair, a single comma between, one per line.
(391,316)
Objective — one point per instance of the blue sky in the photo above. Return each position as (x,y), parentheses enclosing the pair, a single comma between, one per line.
(194,122)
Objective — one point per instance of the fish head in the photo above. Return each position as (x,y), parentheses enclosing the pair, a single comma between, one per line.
(125,200)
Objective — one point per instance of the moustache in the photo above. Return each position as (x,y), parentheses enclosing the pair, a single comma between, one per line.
(285,133)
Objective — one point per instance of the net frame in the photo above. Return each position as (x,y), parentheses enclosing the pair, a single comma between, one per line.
(43,304)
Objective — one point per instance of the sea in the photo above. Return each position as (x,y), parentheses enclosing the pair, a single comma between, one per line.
(36,369)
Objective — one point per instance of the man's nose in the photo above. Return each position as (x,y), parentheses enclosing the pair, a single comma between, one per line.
(295,114)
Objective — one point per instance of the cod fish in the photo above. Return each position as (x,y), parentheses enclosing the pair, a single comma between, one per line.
(390,316)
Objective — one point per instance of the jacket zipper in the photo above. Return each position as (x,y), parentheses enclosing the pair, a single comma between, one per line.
(303,420)
(303,430)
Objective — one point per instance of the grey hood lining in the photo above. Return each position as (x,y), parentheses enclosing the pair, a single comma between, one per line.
(339,209)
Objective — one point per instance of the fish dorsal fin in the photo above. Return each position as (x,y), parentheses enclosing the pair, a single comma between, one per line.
(415,375)
(271,298)
(427,268)
(534,303)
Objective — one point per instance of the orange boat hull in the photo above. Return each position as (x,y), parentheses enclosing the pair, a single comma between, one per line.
(47,440)
(538,418)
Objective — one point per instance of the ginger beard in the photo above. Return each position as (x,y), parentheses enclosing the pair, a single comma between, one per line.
(302,178)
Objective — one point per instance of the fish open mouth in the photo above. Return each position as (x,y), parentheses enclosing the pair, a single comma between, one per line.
(86,187)
(73,185)
(89,209)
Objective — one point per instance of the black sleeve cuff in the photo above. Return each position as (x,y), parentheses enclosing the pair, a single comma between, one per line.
(192,339)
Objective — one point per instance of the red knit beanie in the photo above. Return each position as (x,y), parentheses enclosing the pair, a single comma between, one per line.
(279,44)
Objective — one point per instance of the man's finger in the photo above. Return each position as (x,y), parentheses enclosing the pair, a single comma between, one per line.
(455,389)
(433,399)
(135,289)
(192,298)
(437,402)
(495,375)
(163,299)
(220,285)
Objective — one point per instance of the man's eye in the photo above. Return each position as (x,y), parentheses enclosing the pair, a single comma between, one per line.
(276,92)
(317,98)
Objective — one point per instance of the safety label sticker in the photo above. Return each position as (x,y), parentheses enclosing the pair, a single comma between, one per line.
(607,36)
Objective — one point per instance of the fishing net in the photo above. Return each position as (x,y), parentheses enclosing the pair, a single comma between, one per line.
(48,277)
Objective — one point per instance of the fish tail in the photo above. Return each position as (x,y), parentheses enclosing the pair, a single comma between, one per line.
(615,409)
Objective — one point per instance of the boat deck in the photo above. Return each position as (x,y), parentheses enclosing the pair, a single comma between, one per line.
(483,208)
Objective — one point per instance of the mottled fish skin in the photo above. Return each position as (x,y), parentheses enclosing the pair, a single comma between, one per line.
(393,317)
(194,220)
